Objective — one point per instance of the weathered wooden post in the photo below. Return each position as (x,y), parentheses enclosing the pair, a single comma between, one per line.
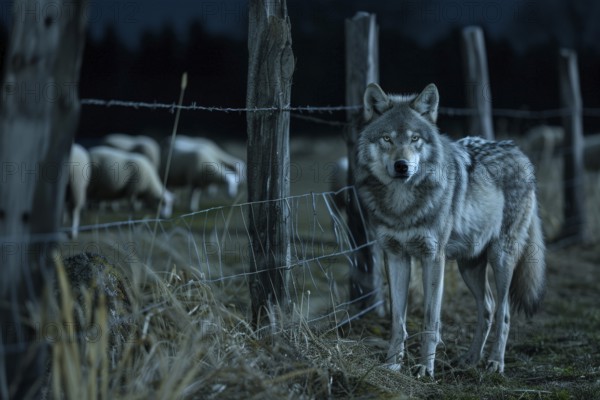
(573,174)
(479,94)
(362,68)
(270,69)
(39,112)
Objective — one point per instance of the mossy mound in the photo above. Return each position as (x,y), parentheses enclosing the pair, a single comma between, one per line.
(91,273)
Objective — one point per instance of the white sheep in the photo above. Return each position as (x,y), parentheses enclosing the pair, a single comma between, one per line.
(135,144)
(199,163)
(118,174)
(79,179)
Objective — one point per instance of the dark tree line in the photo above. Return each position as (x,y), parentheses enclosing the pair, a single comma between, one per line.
(151,72)
(217,70)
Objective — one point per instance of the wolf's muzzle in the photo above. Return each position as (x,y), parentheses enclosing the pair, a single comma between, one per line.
(402,169)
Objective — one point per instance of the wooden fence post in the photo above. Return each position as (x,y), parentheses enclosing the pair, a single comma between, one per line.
(39,113)
(573,173)
(362,68)
(270,69)
(479,94)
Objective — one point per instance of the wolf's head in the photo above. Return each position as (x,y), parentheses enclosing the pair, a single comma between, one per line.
(399,134)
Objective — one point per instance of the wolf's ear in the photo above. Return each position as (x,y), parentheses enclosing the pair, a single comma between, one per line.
(426,103)
(375,101)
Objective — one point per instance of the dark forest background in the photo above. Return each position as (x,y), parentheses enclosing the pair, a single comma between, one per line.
(216,65)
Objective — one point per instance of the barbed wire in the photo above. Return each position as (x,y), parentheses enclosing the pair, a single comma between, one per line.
(303,258)
(520,114)
(298,111)
(322,121)
(172,107)
(508,113)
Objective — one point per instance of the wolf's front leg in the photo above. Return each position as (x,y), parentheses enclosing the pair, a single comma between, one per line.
(398,268)
(433,287)
(379,272)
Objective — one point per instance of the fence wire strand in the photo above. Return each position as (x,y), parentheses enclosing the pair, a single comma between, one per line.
(172,107)
(299,112)
(212,244)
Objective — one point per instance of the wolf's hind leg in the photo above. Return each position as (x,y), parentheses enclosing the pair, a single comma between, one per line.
(474,274)
(398,277)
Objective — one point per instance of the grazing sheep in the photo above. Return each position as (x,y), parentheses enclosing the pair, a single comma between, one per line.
(135,144)
(200,163)
(118,174)
(79,179)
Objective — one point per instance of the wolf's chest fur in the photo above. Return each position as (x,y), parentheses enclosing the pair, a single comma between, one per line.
(452,205)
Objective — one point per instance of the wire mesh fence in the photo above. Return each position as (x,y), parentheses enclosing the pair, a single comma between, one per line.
(201,259)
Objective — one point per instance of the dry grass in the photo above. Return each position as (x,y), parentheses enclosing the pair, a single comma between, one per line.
(190,336)
(187,344)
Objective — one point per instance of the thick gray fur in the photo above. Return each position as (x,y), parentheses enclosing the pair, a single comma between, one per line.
(430,198)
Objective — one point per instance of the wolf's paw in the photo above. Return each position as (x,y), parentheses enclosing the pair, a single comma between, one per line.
(420,371)
(394,366)
(495,367)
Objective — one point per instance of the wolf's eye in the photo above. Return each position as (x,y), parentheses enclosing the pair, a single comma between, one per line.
(386,138)
(414,138)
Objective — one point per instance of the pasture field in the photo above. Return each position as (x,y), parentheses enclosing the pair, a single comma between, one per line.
(189,335)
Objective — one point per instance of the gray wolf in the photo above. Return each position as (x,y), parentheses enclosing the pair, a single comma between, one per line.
(430,198)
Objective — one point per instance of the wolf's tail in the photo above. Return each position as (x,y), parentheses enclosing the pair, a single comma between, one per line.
(528,283)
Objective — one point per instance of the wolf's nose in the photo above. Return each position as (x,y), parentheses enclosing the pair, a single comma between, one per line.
(401,167)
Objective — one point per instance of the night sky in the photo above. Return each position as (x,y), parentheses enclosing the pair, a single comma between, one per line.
(523,22)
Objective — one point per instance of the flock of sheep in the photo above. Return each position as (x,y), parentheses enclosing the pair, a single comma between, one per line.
(131,167)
